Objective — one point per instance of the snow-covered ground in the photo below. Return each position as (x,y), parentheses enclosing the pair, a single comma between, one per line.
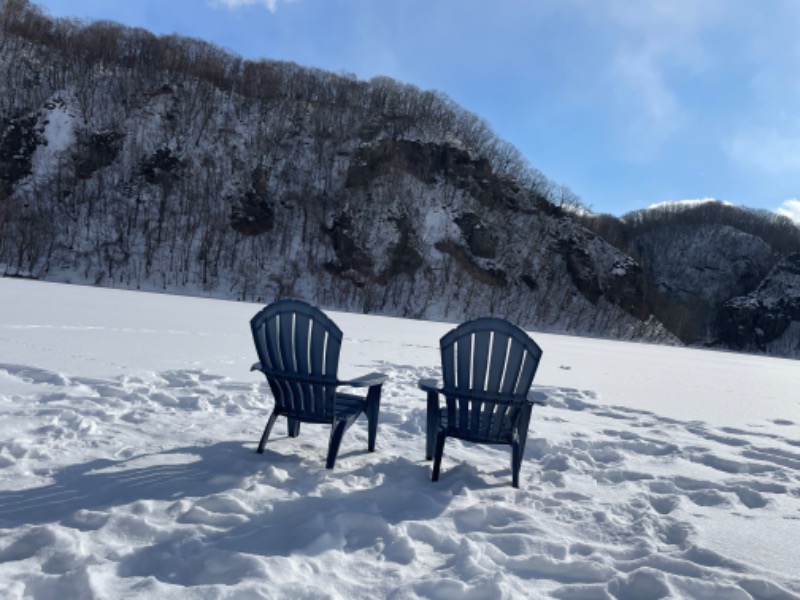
(127,467)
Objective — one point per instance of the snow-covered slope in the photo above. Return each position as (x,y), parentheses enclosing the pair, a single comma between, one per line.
(274,180)
(127,467)
(133,161)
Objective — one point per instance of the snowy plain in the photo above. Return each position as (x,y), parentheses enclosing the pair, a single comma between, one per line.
(128,467)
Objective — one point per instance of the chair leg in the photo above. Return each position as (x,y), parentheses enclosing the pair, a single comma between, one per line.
(516,462)
(337,432)
(437,461)
(267,430)
(293,427)
(432,424)
(518,445)
(373,410)
(525,419)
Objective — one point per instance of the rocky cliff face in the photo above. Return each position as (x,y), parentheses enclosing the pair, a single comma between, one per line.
(705,265)
(768,318)
(696,268)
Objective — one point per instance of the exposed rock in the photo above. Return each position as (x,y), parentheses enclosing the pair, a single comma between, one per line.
(404,258)
(350,257)
(430,162)
(488,276)
(478,236)
(624,286)
(695,269)
(757,320)
(161,167)
(709,262)
(581,268)
(18,141)
(253,213)
(98,149)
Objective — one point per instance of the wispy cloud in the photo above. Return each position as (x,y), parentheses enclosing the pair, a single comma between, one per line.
(766,136)
(791,209)
(652,110)
(656,48)
(270,5)
(766,149)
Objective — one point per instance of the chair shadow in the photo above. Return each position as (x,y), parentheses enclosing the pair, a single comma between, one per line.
(103,483)
(308,516)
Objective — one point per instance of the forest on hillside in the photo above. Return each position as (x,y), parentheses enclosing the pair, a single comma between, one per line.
(92,52)
(100,75)
(777,230)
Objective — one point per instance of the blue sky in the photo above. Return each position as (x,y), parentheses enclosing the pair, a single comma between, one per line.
(626,102)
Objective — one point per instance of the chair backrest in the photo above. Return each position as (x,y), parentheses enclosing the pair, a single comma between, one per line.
(488,366)
(298,347)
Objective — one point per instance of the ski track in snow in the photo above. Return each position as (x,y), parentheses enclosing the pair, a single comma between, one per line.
(170,499)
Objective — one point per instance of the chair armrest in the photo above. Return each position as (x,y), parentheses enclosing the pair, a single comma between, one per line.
(537,398)
(429,385)
(256,367)
(367,380)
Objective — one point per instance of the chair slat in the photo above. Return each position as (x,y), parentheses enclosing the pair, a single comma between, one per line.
(487,419)
(318,399)
(449,366)
(259,336)
(317,346)
(302,346)
(271,336)
(333,345)
(515,355)
(527,372)
(480,358)
(499,421)
(497,368)
(464,362)
(463,417)
(286,342)
(286,397)
(476,408)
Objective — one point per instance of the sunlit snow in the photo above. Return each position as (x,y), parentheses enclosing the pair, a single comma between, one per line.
(128,467)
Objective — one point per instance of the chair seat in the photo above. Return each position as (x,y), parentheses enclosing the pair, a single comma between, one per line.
(506,436)
(347,404)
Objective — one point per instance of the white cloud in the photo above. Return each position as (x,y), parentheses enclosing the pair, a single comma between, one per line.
(652,111)
(271,5)
(791,209)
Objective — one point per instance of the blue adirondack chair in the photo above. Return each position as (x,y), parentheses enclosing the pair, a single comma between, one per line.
(298,349)
(487,368)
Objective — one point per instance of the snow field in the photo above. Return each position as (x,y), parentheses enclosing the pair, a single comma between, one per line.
(127,469)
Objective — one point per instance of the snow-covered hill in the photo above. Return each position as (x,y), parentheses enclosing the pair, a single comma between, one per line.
(162,163)
(715,273)
(267,179)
